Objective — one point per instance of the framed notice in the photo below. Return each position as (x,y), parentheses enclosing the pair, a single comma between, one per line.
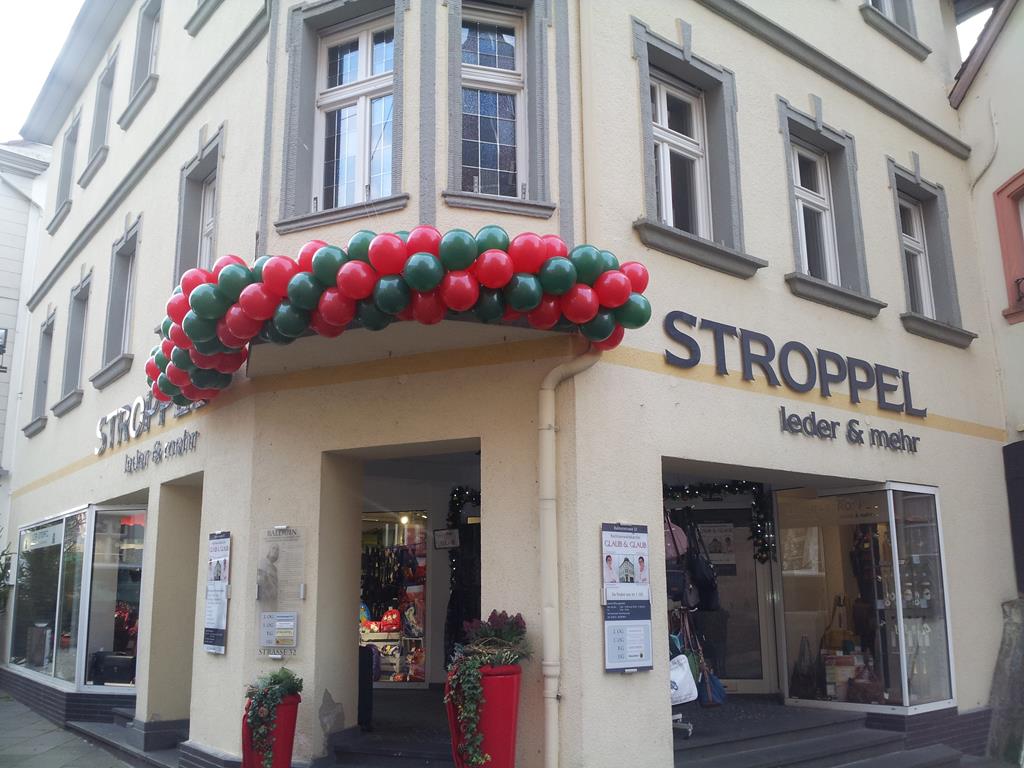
(446,538)
(279,632)
(218,577)
(625,575)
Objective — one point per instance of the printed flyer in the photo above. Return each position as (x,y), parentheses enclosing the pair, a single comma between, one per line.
(218,569)
(625,568)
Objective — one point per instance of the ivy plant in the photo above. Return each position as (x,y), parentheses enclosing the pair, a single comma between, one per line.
(264,695)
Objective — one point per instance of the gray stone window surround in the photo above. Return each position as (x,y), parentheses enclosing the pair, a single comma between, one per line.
(853,293)
(98,148)
(68,151)
(905,38)
(190,200)
(305,24)
(137,102)
(947,325)
(144,79)
(74,348)
(42,376)
(204,10)
(537,18)
(116,358)
(725,252)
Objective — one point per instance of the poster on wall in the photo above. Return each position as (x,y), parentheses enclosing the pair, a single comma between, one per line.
(218,569)
(625,573)
(280,589)
(720,539)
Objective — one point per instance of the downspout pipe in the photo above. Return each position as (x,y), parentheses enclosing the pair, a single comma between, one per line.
(551,658)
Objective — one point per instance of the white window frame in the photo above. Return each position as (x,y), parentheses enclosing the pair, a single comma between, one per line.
(507,81)
(693,148)
(816,201)
(207,221)
(359,93)
(916,244)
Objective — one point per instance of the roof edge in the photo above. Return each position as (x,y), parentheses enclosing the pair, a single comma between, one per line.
(979,53)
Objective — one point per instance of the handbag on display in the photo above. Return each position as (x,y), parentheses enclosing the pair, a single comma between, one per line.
(865,687)
(702,569)
(803,683)
(678,580)
(710,690)
(681,682)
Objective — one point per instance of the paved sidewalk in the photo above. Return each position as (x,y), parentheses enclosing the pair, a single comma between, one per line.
(29,740)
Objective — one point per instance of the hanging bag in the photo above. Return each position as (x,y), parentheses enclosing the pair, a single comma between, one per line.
(710,690)
(677,576)
(702,569)
(681,682)
(803,683)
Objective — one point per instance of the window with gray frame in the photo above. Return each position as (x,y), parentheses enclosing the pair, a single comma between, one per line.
(926,257)
(67,169)
(899,12)
(197,214)
(73,353)
(43,369)
(343,113)
(691,178)
(101,114)
(146,44)
(119,305)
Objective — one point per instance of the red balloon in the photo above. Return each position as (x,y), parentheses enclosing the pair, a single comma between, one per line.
(510,315)
(528,252)
(579,304)
(193,278)
(555,246)
(405,314)
(637,274)
(231,363)
(613,289)
(178,307)
(323,328)
(191,391)
(277,272)
(167,346)
(179,337)
(544,316)
(203,361)
(336,308)
(387,254)
(152,370)
(459,290)
(427,308)
(257,302)
(240,324)
(224,261)
(306,254)
(177,376)
(493,268)
(612,341)
(424,239)
(207,394)
(160,395)
(227,338)
(356,279)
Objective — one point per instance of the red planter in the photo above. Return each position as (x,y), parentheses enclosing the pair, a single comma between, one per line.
(284,735)
(498,715)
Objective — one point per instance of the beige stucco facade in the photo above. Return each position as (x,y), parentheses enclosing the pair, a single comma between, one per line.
(285,444)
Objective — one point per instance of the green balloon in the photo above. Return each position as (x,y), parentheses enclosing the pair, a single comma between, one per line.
(359,245)
(635,312)
(232,281)
(326,263)
(165,327)
(371,317)
(257,268)
(304,291)
(601,327)
(181,400)
(490,307)
(588,262)
(391,294)
(161,360)
(208,302)
(199,328)
(204,378)
(557,275)
(491,236)
(608,261)
(457,249)
(149,382)
(212,346)
(167,386)
(270,333)
(423,272)
(290,320)
(404,234)
(177,290)
(523,292)
(564,325)
(154,350)
(181,359)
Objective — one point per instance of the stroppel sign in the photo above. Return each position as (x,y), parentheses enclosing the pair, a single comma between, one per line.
(132,421)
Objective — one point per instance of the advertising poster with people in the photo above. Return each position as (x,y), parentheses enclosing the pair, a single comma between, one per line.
(218,568)
(625,569)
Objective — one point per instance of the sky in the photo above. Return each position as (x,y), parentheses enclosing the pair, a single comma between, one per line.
(31,35)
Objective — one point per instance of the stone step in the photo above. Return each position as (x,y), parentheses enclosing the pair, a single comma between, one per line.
(122,716)
(815,752)
(934,756)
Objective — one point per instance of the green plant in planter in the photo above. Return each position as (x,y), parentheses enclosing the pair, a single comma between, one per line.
(264,695)
(499,641)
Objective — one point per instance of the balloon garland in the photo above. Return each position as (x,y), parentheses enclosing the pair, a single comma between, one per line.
(378,279)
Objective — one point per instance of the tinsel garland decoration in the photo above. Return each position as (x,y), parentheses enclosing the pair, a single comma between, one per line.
(377,279)
(762,522)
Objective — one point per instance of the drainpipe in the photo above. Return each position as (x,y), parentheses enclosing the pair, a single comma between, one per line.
(551,659)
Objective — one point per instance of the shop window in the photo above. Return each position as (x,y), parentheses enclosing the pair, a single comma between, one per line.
(69,606)
(691,169)
(66,174)
(1009,204)
(197,217)
(35,597)
(344,113)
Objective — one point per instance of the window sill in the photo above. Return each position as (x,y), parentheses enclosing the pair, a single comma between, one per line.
(200,16)
(95,163)
(894,32)
(346,213)
(944,333)
(112,371)
(499,204)
(1014,315)
(137,102)
(822,292)
(34,427)
(706,253)
(67,403)
(62,213)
